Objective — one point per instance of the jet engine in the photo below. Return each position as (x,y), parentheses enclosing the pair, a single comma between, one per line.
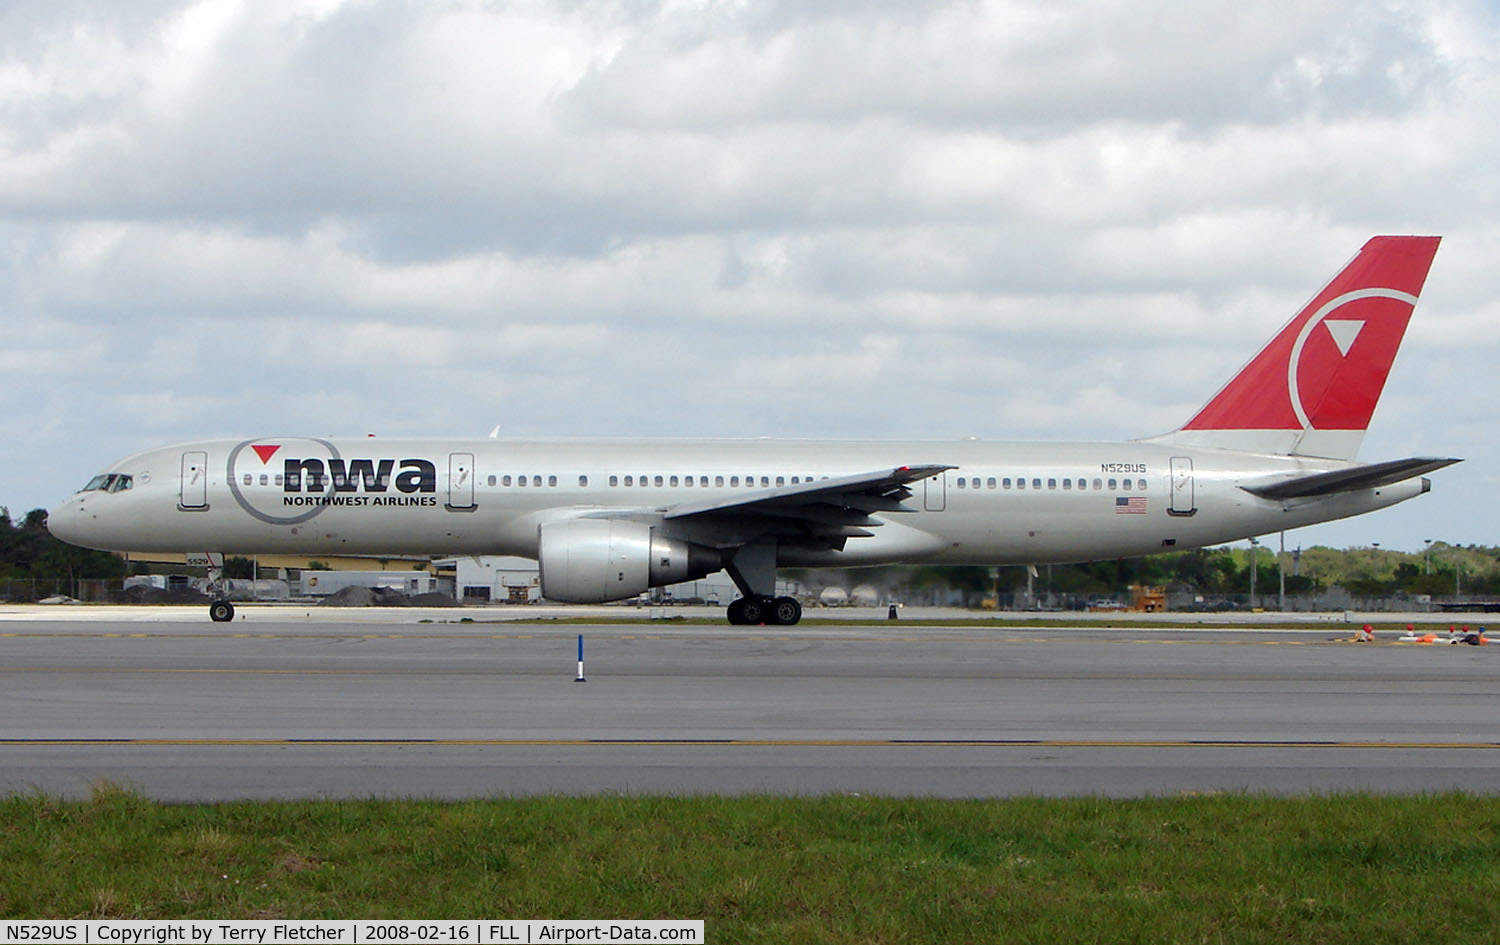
(592,560)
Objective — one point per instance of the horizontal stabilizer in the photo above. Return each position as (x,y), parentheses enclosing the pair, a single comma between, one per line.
(1348,480)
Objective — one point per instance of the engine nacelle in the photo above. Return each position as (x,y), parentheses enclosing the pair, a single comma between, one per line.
(593,560)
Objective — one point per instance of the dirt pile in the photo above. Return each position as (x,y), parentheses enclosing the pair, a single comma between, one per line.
(143,594)
(380,597)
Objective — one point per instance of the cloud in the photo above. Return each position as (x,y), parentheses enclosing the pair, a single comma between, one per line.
(1002,219)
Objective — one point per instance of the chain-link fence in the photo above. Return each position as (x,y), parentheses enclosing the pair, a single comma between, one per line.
(32,590)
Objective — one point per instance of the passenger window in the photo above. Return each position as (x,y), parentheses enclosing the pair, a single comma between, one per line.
(795,480)
(674,480)
(629,480)
(382,483)
(505,480)
(658,480)
(248,479)
(765,480)
(781,480)
(583,482)
(1005,483)
(551,480)
(264,480)
(537,481)
(615,481)
(1067,483)
(1020,483)
(718,480)
(1140,485)
(521,481)
(734,480)
(1098,484)
(703,481)
(687,481)
(1113,485)
(277,480)
(991,482)
(1125,485)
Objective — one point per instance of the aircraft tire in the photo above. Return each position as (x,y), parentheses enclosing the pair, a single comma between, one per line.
(785,611)
(735,612)
(753,610)
(221,611)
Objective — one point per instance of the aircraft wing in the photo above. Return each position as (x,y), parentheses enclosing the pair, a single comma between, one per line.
(1348,480)
(833,509)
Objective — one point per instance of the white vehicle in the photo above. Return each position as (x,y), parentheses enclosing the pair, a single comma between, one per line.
(608,519)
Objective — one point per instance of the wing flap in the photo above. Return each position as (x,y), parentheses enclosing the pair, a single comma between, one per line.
(1354,478)
(823,513)
(880,491)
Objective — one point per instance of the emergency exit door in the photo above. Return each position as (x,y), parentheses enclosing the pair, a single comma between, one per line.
(935,499)
(460,482)
(193,486)
(1183,500)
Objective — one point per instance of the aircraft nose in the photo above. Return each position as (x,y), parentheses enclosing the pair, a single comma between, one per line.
(62,521)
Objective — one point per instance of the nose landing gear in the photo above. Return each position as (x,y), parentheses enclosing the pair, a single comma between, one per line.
(221,610)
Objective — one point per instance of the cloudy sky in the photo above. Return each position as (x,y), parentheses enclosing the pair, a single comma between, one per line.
(1009,220)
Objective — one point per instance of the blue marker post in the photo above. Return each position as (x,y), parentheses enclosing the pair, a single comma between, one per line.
(580,660)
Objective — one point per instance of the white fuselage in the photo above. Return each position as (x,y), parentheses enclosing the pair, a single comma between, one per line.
(1079,501)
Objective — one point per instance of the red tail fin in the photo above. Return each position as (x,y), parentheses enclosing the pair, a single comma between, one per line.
(1324,371)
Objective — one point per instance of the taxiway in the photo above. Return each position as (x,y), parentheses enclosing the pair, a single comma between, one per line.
(283,704)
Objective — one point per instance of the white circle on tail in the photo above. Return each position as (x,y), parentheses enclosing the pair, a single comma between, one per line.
(1344,338)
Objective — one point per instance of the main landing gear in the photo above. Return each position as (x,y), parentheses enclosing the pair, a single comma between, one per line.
(753,570)
(774,611)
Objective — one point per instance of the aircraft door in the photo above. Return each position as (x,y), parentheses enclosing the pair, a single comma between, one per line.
(935,498)
(460,482)
(1183,500)
(193,486)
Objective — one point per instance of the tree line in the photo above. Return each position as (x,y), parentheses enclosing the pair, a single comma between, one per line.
(28,550)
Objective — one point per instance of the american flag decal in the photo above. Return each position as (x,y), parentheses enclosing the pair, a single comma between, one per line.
(1130,505)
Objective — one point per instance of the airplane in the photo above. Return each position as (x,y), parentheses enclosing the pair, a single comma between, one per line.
(609,518)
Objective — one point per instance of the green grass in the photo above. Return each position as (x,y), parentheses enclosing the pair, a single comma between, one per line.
(1230,868)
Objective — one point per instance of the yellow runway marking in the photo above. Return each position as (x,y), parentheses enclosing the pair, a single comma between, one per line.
(743,743)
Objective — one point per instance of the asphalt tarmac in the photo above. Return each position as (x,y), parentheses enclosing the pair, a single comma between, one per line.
(291,704)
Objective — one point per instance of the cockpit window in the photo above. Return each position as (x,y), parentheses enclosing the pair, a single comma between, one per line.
(111,482)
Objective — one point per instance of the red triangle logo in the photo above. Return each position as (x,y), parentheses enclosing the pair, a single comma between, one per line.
(265,452)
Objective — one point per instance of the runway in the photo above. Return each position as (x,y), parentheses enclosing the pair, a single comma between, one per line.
(291,704)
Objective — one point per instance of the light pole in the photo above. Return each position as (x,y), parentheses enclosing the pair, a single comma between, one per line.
(1254,545)
(1281,574)
(1427,556)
